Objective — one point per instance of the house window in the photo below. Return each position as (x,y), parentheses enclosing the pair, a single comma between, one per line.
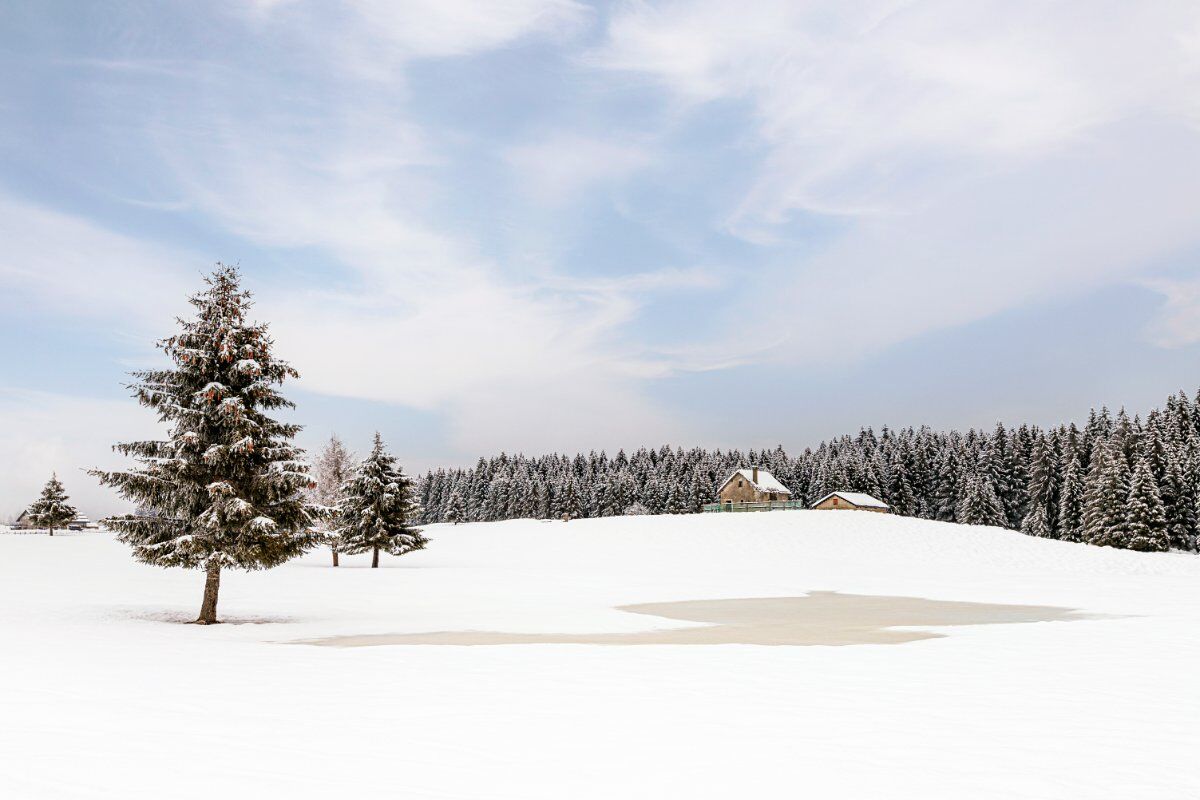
(739,484)
(835,501)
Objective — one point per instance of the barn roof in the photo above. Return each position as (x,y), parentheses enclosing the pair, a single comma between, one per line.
(766,481)
(860,499)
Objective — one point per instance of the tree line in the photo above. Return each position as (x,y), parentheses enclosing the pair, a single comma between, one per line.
(1116,481)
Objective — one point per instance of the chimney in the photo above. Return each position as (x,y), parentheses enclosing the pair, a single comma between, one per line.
(755,479)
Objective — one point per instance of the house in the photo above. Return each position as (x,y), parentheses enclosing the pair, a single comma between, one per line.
(852,501)
(22,523)
(752,485)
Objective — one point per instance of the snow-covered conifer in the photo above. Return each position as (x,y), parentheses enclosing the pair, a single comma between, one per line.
(378,509)
(946,496)
(226,487)
(676,502)
(1105,494)
(1070,504)
(51,510)
(569,501)
(979,504)
(900,495)
(1145,523)
(1042,491)
(456,510)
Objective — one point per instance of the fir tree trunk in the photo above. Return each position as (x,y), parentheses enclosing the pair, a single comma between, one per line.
(52,531)
(335,555)
(375,558)
(212,584)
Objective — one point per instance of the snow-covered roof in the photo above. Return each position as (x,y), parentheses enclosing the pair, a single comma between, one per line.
(860,499)
(766,481)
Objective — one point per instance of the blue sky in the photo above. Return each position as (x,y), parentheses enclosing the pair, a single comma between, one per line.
(542,224)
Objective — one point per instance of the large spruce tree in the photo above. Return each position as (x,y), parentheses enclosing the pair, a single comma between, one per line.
(378,510)
(225,489)
(51,510)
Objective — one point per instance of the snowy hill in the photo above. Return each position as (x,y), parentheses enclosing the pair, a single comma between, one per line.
(105,696)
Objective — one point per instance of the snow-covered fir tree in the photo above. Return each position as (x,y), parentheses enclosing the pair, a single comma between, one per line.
(226,487)
(1070,506)
(979,504)
(1145,525)
(377,510)
(1042,490)
(51,510)
(332,469)
(456,509)
(1105,494)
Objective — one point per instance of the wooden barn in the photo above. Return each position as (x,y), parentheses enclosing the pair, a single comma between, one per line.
(752,485)
(850,501)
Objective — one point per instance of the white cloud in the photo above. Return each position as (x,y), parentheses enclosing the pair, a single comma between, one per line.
(44,433)
(66,264)
(374,38)
(411,314)
(979,157)
(1179,324)
(417,316)
(560,168)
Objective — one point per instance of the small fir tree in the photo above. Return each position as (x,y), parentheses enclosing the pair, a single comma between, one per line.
(226,488)
(51,510)
(378,510)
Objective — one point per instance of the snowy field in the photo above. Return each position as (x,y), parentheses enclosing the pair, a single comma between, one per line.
(104,694)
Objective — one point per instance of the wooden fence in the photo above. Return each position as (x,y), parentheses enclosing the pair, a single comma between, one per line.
(774,505)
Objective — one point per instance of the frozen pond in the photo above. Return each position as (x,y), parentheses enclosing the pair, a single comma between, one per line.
(819,618)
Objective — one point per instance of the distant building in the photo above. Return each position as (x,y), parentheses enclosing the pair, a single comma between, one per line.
(80,523)
(752,485)
(852,501)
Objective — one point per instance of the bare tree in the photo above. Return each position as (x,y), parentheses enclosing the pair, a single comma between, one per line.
(332,469)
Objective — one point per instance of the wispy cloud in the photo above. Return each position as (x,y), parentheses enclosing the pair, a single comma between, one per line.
(557,169)
(45,432)
(978,158)
(66,264)
(375,38)
(1179,323)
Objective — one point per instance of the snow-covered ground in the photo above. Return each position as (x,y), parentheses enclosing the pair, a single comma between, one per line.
(104,694)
